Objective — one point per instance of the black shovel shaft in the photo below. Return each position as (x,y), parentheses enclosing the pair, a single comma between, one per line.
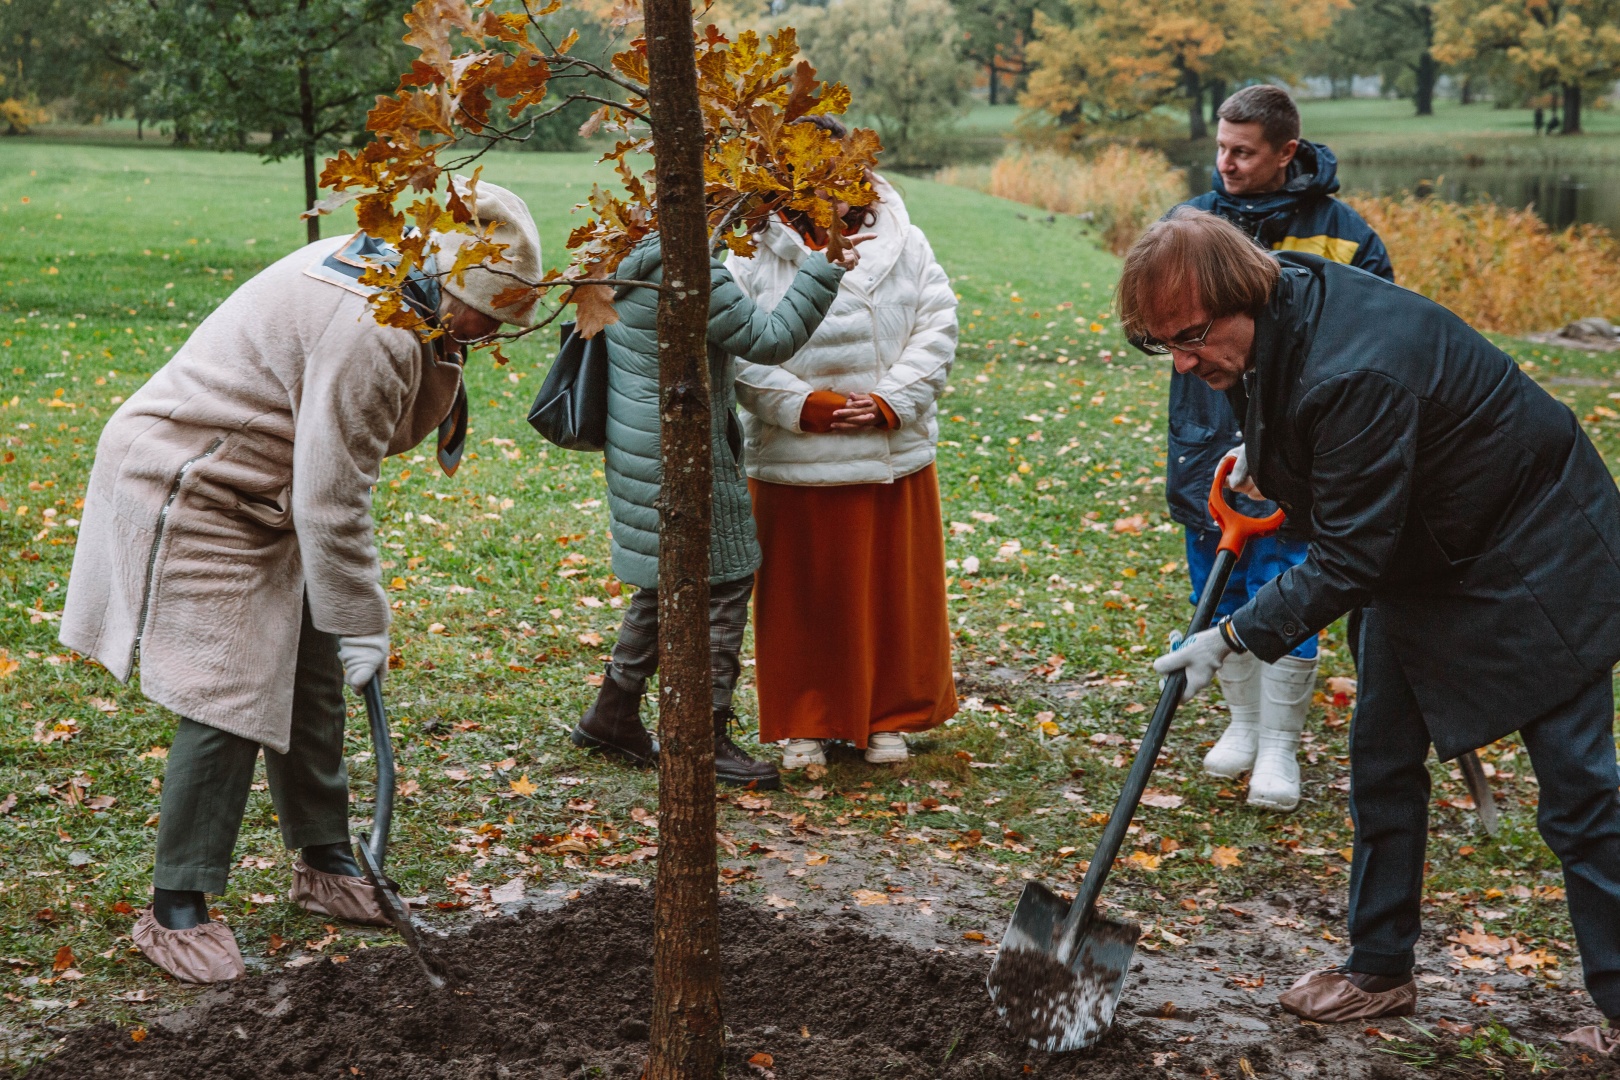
(382,813)
(1113,837)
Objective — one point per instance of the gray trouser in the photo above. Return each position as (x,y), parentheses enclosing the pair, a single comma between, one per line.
(635,656)
(209,774)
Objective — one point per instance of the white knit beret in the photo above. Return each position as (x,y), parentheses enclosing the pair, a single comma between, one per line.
(520,262)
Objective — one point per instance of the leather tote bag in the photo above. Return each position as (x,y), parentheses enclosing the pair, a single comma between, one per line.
(571,408)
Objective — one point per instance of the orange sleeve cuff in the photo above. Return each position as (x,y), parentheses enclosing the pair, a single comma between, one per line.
(817,415)
(890,420)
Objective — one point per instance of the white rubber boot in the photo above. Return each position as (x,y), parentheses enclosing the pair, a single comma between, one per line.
(1234,753)
(1285,698)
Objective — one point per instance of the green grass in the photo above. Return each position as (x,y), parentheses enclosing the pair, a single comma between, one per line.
(1369,131)
(1050,434)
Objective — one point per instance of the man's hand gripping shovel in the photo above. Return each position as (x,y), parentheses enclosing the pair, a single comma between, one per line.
(1058,975)
(373,847)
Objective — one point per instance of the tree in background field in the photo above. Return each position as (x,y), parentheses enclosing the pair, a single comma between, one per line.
(1111,64)
(900,59)
(995,34)
(52,52)
(1393,37)
(1568,46)
(301,72)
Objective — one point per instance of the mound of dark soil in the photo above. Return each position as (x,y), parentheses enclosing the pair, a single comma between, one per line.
(568,993)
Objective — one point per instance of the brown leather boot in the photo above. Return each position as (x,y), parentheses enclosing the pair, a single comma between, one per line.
(732,765)
(613,725)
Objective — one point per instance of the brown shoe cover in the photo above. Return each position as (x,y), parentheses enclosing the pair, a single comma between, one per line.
(1329,998)
(1604,1041)
(202,954)
(351,899)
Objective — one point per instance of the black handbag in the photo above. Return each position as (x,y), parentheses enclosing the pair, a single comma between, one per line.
(571,407)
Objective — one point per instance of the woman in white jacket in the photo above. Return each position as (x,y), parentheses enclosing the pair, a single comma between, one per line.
(850,624)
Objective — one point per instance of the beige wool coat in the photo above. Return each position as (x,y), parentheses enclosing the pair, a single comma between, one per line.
(236,482)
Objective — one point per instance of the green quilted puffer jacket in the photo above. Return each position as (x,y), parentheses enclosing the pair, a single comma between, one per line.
(736,328)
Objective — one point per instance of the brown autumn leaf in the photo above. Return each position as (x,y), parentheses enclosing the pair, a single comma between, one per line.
(593,309)
(64,959)
(761,1059)
(1141,860)
(9,803)
(1225,857)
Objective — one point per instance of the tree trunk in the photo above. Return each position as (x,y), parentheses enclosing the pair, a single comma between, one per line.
(1196,128)
(306,120)
(687,1037)
(992,69)
(1466,95)
(1572,109)
(1217,98)
(1427,72)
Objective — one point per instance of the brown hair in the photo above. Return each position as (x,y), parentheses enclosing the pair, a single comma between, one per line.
(1268,106)
(1193,249)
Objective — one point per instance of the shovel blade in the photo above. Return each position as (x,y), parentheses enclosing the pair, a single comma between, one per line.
(397,911)
(1056,1005)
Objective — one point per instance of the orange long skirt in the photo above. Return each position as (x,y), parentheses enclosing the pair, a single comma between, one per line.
(851,631)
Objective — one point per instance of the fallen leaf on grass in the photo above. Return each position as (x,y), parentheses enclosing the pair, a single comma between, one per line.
(641,854)
(9,803)
(1161,799)
(7,665)
(1133,524)
(568,845)
(816,858)
(591,638)
(867,897)
(104,705)
(509,893)
(815,771)
(262,898)
(774,901)
(1143,861)
(1481,942)
(1225,857)
(753,802)
(1531,960)
(524,786)
(64,959)
(1453,1027)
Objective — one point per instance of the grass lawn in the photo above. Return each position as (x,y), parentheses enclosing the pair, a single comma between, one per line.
(1381,130)
(1052,468)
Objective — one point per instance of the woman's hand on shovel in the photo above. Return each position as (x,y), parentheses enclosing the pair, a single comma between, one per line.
(1200,656)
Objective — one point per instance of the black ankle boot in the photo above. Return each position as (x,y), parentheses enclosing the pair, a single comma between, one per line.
(613,725)
(179,909)
(732,765)
(332,859)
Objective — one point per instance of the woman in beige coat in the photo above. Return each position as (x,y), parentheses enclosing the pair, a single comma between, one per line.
(227,548)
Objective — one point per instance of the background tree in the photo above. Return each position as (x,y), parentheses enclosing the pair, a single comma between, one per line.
(229,73)
(1568,46)
(1393,37)
(54,52)
(900,59)
(1112,64)
(994,36)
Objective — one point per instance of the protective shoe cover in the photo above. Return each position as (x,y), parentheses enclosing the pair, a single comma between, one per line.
(351,899)
(801,752)
(1285,698)
(1233,754)
(1599,1040)
(886,748)
(1329,997)
(202,954)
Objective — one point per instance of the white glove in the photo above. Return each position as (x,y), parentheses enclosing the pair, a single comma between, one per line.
(1200,656)
(1239,479)
(363,657)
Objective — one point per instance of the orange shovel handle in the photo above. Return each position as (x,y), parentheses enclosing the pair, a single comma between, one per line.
(1237,529)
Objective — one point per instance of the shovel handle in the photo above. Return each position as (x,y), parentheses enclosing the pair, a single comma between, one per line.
(382,813)
(1237,528)
(1236,531)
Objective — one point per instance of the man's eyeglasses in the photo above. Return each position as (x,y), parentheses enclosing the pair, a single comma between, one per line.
(1185,343)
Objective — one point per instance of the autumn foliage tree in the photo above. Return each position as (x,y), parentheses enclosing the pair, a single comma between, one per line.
(1113,64)
(719,118)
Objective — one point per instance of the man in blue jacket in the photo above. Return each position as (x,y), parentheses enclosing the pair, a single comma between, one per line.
(1278,190)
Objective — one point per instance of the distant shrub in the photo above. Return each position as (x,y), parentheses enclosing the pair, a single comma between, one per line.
(19,116)
(1498,268)
(1122,189)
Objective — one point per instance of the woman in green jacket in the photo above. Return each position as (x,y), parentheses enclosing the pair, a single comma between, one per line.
(737,328)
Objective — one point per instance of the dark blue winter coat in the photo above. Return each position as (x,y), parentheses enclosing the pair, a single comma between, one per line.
(1301,216)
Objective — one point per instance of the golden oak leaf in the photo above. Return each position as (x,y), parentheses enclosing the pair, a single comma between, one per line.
(524,786)
(1225,857)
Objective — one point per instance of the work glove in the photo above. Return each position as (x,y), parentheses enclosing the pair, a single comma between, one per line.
(1200,656)
(1239,479)
(363,657)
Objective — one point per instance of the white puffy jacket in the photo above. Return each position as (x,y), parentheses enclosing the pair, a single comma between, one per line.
(891,331)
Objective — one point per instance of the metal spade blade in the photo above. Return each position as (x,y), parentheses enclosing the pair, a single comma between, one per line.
(1054,1005)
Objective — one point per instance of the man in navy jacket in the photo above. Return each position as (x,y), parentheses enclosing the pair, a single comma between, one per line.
(1467,512)
(1279,190)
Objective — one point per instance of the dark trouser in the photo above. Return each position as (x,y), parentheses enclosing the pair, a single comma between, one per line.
(635,655)
(1572,750)
(209,773)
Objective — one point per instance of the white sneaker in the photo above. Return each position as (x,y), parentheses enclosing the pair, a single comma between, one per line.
(886,748)
(801,752)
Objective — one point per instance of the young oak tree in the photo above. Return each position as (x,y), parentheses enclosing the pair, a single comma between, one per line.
(718,118)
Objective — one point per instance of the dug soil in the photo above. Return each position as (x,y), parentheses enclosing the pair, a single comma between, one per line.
(566,993)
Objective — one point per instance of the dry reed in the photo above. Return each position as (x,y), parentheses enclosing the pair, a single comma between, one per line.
(1499,269)
(1122,189)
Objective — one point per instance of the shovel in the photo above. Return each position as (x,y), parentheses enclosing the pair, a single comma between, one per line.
(373,847)
(1061,966)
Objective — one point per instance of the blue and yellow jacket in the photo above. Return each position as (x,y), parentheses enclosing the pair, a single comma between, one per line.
(1300,216)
